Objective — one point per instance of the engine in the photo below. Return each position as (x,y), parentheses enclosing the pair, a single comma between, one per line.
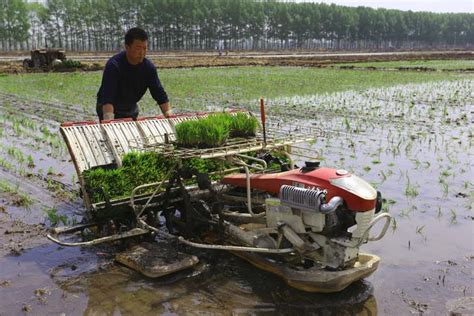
(325,214)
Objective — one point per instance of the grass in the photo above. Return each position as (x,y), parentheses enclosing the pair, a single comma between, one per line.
(214,130)
(211,131)
(242,125)
(20,199)
(53,217)
(436,64)
(136,169)
(222,85)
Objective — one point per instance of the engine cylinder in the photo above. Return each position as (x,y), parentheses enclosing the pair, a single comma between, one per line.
(307,199)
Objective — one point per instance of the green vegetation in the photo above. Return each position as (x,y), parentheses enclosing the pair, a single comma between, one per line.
(436,64)
(80,24)
(18,198)
(214,130)
(212,85)
(242,125)
(195,166)
(211,131)
(136,169)
(53,217)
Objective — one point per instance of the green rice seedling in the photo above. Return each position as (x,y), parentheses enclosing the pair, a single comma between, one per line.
(17,129)
(5,164)
(419,230)
(22,172)
(405,213)
(445,173)
(52,186)
(187,134)
(50,171)
(440,213)
(6,187)
(211,131)
(16,153)
(410,190)
(394,224)
(416,162)
(45,131)
(53,217)
(23,199)
(384,176)
(445,186)
(110,181)
(137,169)
(28,123)
(453,219)
(19,198)
(347,123)
(214,130)
(31,163)
(243,125)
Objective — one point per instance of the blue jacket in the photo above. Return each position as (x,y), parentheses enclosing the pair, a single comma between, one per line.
(123,85)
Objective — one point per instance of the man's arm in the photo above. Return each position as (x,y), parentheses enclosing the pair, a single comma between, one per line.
(158,92)
(110,86)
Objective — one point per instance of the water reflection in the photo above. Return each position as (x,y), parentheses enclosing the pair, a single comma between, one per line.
(221,285)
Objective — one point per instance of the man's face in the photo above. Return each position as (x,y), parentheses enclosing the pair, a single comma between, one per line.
(136,51)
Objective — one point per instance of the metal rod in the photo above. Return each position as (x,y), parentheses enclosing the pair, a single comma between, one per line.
(249,193)
(235,248)
(214,247)
(64,230)
(260,161)
(156,191)
(356,242)
(248,187)
(243,215)
(262,116)
(131,233)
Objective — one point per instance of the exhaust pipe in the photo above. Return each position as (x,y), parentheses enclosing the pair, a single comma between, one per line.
(331,206)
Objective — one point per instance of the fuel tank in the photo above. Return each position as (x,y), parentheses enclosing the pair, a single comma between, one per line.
(358,195)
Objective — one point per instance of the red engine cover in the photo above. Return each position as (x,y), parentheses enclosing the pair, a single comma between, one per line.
(320,178)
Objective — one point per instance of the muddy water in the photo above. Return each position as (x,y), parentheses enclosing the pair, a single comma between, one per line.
(423,165)
(413,143)
(78,282)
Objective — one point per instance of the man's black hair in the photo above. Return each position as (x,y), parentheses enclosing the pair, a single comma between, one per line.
(135,33)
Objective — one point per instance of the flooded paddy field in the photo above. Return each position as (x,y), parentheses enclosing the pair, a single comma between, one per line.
(412,141)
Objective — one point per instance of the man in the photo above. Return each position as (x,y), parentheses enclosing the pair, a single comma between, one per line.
(126,77)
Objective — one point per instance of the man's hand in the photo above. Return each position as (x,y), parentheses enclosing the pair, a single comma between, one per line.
(108,116)
(108,110)
(166,109)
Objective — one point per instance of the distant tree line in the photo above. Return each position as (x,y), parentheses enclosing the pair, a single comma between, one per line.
(90,25)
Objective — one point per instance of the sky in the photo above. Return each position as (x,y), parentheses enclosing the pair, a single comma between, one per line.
(456,6)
